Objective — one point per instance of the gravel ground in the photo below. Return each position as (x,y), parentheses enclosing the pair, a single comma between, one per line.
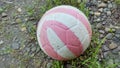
(105,16)
(16,43)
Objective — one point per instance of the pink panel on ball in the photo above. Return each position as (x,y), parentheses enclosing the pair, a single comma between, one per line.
(47,47)
(77,50)
(72,40)
(74,13)
(49,50)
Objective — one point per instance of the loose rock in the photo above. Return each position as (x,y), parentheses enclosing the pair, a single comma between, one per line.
(19,10)
(118,31)
(1,42)
(102,5)
(105,48)
(15,45)
(108,13)
(4,15)
(101,9)
(109,5)
(109,36)
(102,31)
(97,13)
(113,45)
(49,65)
(23,29)
(107,29)
(117,35)
(18,20)
(99,25)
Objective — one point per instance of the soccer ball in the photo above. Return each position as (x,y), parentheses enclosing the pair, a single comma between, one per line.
(64,32)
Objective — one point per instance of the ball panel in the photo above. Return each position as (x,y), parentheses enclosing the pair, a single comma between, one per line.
(63,18)
(66,53)
(47,48)
(72,40)
(54,40)
(80,31)
(86,42)
(73,12)
(50,52)
(76,50)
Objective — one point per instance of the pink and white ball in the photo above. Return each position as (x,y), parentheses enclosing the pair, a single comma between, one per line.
(64,32)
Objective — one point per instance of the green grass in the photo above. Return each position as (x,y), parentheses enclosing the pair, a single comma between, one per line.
(117,2)
(90,57)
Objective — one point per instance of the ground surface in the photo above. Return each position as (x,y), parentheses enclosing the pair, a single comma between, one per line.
(19,49)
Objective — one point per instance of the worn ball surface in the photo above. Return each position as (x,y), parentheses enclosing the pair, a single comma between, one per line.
(64,32)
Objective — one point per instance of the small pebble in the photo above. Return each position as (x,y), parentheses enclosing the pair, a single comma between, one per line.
(115,51)
(117,31)
(19,10)
(97,13)
(101,35)
(33,49)
(113,45)
(102,5)
(101,9)
(110,61)
(1,42)
(105,48)
(107,29)
(4,15)
(23,29)
(102,31)
(99,25)
(15,45)
(49,65)
(91,12)
(110,5)
(98,20)
(117,35)
(18,20)
(108,13)
(109,36)
(105,54)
